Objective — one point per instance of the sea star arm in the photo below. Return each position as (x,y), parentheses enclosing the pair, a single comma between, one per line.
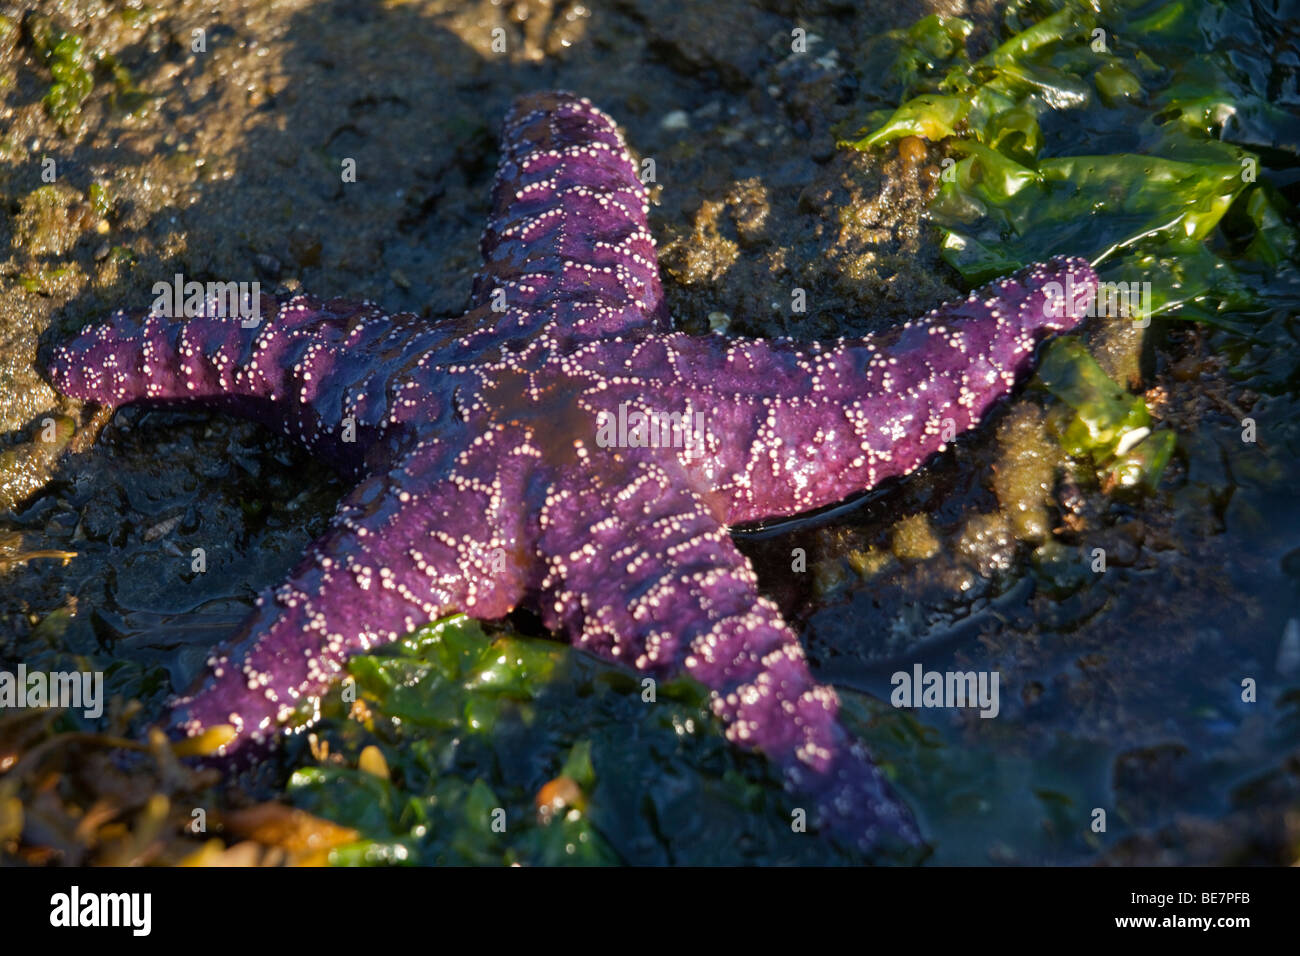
(640,571)
(428,538)
(566,250)
(309,369)
(791,427)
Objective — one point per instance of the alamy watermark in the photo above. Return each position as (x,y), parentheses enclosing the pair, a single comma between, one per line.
(637,428)
(1112,300)
(74,908)
(922,688)
(72,690)
(217,300)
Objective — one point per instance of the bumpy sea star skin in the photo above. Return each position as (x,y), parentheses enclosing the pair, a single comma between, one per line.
(481,482)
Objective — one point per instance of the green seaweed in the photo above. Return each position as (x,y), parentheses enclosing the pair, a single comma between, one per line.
(474,723)
(1176,96)
(126,96)
(65,55)
(73,68)
(1103,422)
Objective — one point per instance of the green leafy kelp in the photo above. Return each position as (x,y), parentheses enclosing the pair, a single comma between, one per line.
(499,748)
(1153,138)
(1101,420)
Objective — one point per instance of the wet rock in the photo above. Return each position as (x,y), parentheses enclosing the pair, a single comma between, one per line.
(807,81)
(1288,652)
(268,266)
(675,121)
(51,219)
(304,247)
(726,37)
(23,468)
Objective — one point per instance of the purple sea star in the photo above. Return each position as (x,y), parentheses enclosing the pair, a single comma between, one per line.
(485,478)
